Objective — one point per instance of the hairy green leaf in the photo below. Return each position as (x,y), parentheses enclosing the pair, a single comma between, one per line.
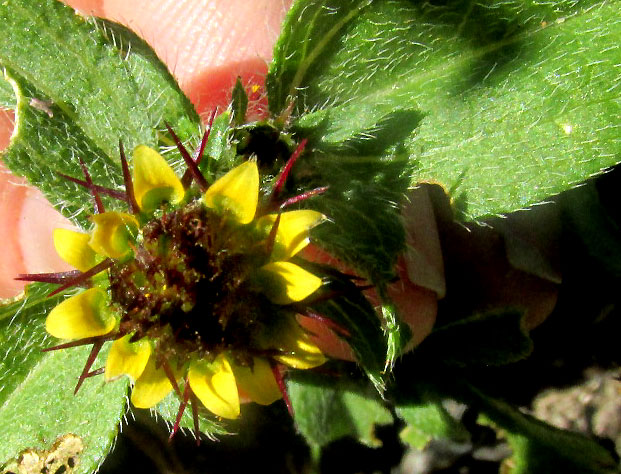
(520,100)
(37,404)
(427,421)
(327,409)
(310,31)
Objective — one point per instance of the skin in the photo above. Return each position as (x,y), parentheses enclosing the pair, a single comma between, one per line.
(206,44)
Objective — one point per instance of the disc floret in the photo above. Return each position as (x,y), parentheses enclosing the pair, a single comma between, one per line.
(199,295)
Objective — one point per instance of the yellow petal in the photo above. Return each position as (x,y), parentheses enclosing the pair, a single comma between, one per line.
(73,248)
(154,180)
(292,233)
(302,352)
(236,192)
(128,358)
(258,382)
(151,387)
(214,385)
(82,315)
(285,282)
(112,234)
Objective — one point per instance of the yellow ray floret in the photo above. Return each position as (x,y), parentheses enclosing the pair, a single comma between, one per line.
(154,180)
(73,248)
(237,192)
(292,233)
(299,351)
(83,315)
(127,358)
(112,234)
(285,282)
(151,387)
(258,381)
(214,385)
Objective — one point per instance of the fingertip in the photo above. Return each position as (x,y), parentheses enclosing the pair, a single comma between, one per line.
(27,221)
(212,87)
(205,45)
(7,121)
(87,7)
(11,262)
(35,229)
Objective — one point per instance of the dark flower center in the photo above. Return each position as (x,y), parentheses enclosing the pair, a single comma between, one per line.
(189,287)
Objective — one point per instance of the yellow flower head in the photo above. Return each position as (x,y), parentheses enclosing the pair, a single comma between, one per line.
(201,298)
